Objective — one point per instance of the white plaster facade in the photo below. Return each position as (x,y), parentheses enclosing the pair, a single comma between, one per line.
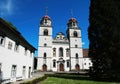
(62,53)
(16,55)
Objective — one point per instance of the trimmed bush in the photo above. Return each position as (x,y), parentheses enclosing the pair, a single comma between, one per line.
(36,80)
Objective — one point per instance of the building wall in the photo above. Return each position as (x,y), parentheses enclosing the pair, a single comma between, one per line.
(9,57)
(57,57)
(87,63)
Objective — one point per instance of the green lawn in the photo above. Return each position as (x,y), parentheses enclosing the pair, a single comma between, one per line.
(54,80)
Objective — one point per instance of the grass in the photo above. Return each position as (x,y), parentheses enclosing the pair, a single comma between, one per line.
(55,80)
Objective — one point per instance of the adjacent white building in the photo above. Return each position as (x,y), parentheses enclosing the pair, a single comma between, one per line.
(62,53)
(16,54)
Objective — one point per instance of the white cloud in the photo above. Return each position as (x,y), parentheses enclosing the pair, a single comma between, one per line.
(6,7)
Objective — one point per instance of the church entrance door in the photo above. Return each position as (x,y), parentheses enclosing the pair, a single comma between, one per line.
(61,67)
(44,67)
(77,67)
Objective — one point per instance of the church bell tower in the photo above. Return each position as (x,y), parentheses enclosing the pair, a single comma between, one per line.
(75,44)
(45,44)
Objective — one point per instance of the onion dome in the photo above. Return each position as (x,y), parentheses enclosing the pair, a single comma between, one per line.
(72,23)
(72,20)
(46,21)
(46,17)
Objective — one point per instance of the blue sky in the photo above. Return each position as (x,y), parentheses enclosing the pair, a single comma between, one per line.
(26,15)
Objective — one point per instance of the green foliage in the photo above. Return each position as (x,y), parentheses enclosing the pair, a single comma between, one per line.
(104,38)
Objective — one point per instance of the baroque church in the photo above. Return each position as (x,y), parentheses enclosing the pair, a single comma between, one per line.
(62,53)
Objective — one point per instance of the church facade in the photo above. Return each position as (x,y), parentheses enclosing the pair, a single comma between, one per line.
(62,53)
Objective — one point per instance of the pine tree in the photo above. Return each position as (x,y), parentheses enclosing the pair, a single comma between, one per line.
(104,37)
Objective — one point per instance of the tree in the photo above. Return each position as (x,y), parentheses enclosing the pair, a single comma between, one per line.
(104,37)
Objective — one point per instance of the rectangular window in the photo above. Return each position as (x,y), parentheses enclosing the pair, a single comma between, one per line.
(24,71)
(29,72)
(10,45)
(13,71)
(16,47)
(67,52)
(68,64)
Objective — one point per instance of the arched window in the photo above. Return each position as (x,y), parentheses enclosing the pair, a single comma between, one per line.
(61,52)
(44,56)
(75,34)
(54,51)
(45,32)
(54,63)
(76,55)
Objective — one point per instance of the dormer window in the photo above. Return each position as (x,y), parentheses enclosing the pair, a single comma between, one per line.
(2,39)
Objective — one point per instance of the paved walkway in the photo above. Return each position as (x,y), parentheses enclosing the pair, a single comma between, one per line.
(35,75)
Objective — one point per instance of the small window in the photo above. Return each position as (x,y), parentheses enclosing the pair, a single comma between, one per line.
(10,45)
(45,32)
(45,55)
(84,63)
(68,64)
